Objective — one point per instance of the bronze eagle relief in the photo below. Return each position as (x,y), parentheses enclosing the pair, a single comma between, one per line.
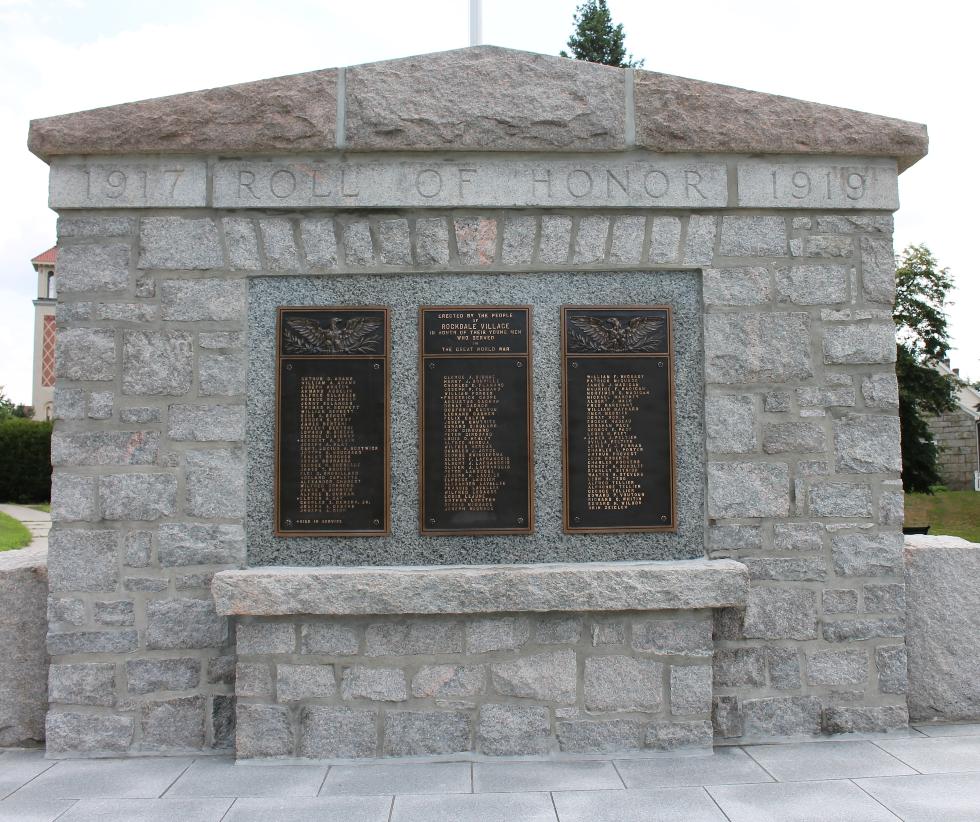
(609,331)
(332,335)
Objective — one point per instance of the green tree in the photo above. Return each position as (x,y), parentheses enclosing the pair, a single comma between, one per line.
(7,408)
(596,39)
(921,291)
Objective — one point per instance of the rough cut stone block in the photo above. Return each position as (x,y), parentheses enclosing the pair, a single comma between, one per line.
(590,242)
(748,489)
(139,415)
(69,403)
(207,423)
(699,245)
(880,391)
(858,344)
(739,667)
(432,242)
(672,736)
(942,577)
(867,555)
(378,684)
(735,537)
(61,610)
(736,286)
(730,424)
(513,730)
(672,636)
(813,284)
(184,623)
(665,238)
(424,733)
(846,719)
(87,733)
(519,236)
(100,405)
(195,544)
(143,676)
(252,638)
(328,638)
(449,681)
(839,601)
(179,243)
(254,681)
(215,483)
(85,354)
(743,348)
(458,100)
(690,689)
(279,244)
(892,664)
(157,362)
(173,724)
(601,736)
(295,682)
(812,569)
(784,668)
(221,374)
(72,497)
(781,716)
(476,240)
(839,499)
(884,598)
(828,245)
(608,633)
(558,630)
(207,299)
(319,241)
(242,243)
(627,240)
(263,731)
(119,613)
(622,683)
(327,732)
(843,224)
(73,227)
(394,245)
(855,630)
(556,236)
(848,667)
(780,613)
(422,636)
(793,437)
(358,246)
(867,443)
(137,496)
(99,448)
(496,634)
(547,676)
(93,268)
(220,339)
(223,721)
(753,237)
(83,560)
(83,684)
(878,270)
(727,717)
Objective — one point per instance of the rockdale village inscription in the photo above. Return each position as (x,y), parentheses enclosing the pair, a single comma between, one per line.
(332,459)
(618,419)
(475,420)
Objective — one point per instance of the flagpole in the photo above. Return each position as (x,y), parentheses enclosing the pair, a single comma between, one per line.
(476,22)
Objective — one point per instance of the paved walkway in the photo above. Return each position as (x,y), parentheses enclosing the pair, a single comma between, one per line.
(37,522)
(930,773)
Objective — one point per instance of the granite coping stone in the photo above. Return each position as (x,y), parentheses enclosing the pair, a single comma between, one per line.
(619,586)
(481,97)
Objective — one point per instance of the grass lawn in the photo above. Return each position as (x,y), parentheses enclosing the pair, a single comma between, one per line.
(947,512)
(13,534)
(42,506)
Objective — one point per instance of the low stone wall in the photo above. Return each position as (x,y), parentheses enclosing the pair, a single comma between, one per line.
(24,661)
(942,577)
(500,684)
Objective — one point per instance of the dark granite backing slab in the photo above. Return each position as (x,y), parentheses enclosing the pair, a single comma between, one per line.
(546,292)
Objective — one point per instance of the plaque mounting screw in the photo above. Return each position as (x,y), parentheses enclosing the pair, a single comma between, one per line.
(289,523)
(289,366)
(574,365)
(520,364)
(377,365)
(376,522)
(432,520)
(520,520)
(663,517)
(432,365)
(577,519)
(660,364)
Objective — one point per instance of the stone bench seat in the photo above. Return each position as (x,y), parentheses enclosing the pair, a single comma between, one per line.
(362,590)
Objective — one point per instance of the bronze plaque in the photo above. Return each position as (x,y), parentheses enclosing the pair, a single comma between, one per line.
(332,443)
(475,420)
(618,412)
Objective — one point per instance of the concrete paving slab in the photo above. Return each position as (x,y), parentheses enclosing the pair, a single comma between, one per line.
(930,797)
(222,777)
(666,805)
(835,760)
(966,729)
(835,801)
(435,777)
(504,777)
(18,771)
(331,809)
(936,755)
(488,807)
(33,810)
(726,766)
(94,778)
(148,810)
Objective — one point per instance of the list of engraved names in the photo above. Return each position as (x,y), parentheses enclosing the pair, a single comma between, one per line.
(614,454)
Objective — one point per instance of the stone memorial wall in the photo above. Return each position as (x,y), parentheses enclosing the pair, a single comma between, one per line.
(771,249)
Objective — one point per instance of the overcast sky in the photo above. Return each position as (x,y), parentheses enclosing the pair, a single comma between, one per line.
(910,60)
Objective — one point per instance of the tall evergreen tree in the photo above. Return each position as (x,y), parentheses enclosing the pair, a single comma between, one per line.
(923,337)
(597,40)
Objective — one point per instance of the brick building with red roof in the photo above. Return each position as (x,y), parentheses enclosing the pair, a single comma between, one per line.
(44,333)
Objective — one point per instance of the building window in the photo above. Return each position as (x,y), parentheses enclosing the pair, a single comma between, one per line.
(52,287)
(47,352)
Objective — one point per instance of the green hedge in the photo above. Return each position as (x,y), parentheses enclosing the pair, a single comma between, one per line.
(25,461)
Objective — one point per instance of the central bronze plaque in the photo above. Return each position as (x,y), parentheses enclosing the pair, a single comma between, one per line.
(475,420)
(617,408)
(332,422)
